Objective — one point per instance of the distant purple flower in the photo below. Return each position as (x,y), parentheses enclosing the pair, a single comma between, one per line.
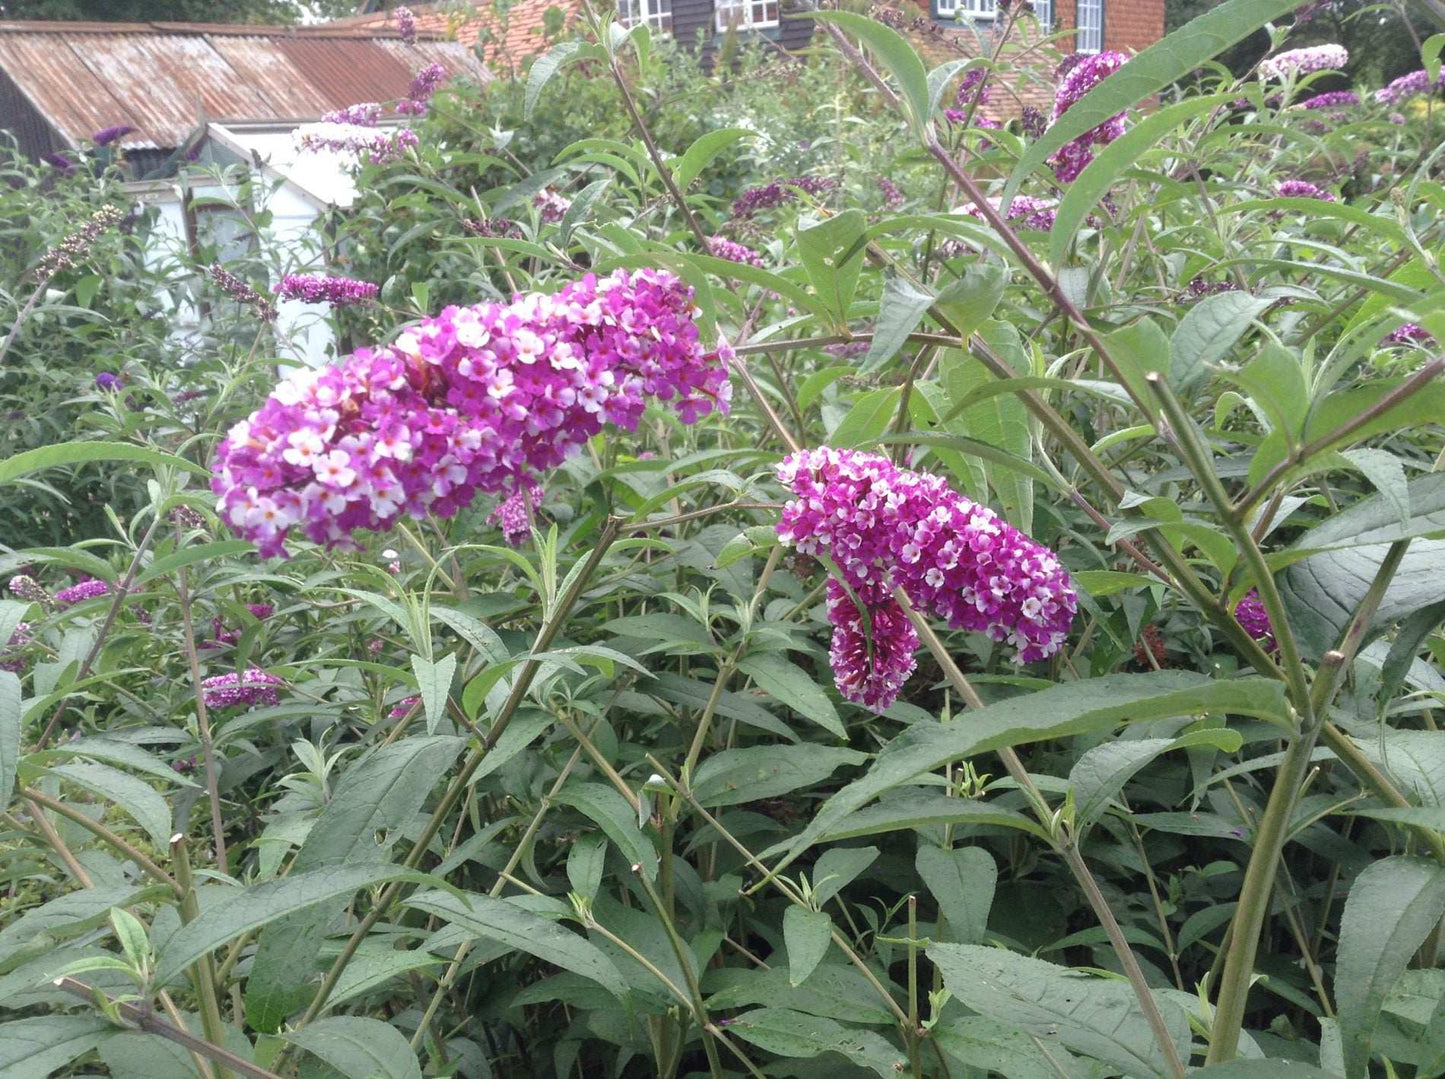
(252,687)
(1200,288)
(846,349)
(1306,13)
(28,589)
(405,24)
(1417,82)
(1033,122)
(1411,333)
(59,161)
(1251,615)
(108,135)
(408,107)
(402,707)
(1301,189)
(10,658)
(778,192)
(241,292)
(1073,157)
(1304,61)
(553,204)
(1333,99)
(107,381)
(973,89)
(1024,210)
(721,247)
(324,288)
(184,766)
(513,514)
(1397,119)
(379,144)
(79,593)
(893,196)
(426,81)
(364,114)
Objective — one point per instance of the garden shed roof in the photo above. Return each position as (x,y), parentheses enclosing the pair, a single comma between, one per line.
(60,82)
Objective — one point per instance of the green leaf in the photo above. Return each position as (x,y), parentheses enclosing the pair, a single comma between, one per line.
(1263,1069)
(796,1035)
(970,301)
(584,865)
(1084,193)
(547,65)
(190,556)
(1275,379)
(806,935)
(1322,592)
(835,869)
(735,776)
(896,55)
(922,809)
(1165,62)
(1102,771)
(1071,708)
(981,1042)
(701,153)
(39,1047)
(138,798)
(1208,332)
(132,936)
(872,413)
(434,679)
(77,453)
(962,882)
(378,795)
(9,733)
(1094,1016)
(899,312)
(789,684)
(611,812)
(834,991)
(1000,421)
(833,257)
(357,1046)
(146,1056)
(70,915)
(261,904)
(509,924)
(1392,907)
(1375,520)
(577,212)
(1386,473)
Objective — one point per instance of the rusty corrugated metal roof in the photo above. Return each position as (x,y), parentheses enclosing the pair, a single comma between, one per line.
(161,78)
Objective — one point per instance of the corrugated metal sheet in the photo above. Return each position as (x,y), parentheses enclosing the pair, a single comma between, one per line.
(163,78)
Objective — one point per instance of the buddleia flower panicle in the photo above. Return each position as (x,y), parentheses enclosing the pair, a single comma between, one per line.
(777,192)
(75,247)
(326,288)
(1332,99)
(1074,156)
(26,587)
(1301,189)
(107,135)
(364,114)
(480,398)
(402,707)
(1305,61)
(890,528)
(405,23)
(553,204)
(1407,86)
(1251,614)
(82,591)
(1411,333)
(241,292)
(513,514)
(251,687)
(722,248)
(379,145)
(10,658)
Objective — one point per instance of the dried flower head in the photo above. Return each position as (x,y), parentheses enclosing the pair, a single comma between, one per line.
(77,245)
(241,292)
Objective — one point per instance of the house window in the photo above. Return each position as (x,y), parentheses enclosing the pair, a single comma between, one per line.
(965,9)
(655,13)
(1090,36)
(745,14)
(1044,12)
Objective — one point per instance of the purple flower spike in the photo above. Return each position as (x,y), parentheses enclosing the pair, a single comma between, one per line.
(323,288)
(252,687)
(107,380)
(1301,189)
(108,135)
(79,593)
(402,707)
(1250,614)
(889,528)
(405,24)
(1305,61)
(1411,333)
(1407,86)
(1073,157)
(720,247)
(1334,99)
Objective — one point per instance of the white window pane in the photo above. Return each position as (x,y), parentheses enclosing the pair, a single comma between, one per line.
(947,7)
(1090,36)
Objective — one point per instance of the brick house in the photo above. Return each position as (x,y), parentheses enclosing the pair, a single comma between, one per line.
(940,29)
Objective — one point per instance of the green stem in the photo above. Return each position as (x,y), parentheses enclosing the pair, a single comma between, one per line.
(204,970)
(102,833)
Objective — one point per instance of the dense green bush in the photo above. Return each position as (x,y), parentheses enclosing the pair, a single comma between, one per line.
(595,804)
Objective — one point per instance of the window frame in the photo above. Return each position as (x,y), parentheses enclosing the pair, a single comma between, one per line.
(657,14)
(722,8)
(1044,13)
(1095,42)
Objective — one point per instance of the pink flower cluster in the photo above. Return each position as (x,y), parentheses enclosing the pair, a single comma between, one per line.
(552,204)
(10,658)
(1305,61)
(973,92)
(1411,333)
(479,398)
(513,514)
(79,593)
(379,144)
(324,288)
(1250,614)
(1333,99)
(1030,212)
(405,23)
(721,247)
(402,707)
(889,528)
(778,192)
(366,114)
(1301,189)
(253,686)
(1073,157)
(1417,82)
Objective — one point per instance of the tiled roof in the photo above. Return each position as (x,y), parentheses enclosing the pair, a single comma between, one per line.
(160,78)
(507,39)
